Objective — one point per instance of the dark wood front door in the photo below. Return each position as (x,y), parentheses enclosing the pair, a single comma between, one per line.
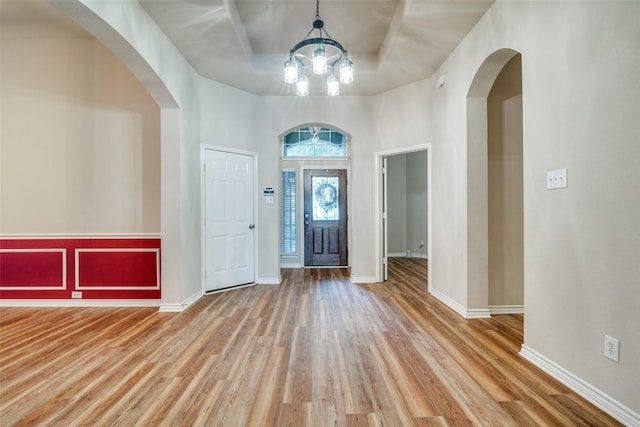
(325,217)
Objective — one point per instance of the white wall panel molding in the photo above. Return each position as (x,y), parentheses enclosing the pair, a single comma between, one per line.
(82,236)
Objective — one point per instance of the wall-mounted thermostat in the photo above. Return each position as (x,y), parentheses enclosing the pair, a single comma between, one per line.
(269,195)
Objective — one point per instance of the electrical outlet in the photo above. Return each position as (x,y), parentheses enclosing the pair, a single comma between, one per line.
(76,294)
(612,348)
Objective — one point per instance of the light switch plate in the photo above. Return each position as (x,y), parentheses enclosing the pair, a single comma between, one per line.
(557,179)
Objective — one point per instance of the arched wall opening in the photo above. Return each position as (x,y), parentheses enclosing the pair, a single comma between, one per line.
(170,137)
(494,188)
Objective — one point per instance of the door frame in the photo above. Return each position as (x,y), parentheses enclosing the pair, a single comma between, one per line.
(380,231)
(300,214)
(203,253)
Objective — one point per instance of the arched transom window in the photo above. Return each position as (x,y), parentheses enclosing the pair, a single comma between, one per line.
(315,141)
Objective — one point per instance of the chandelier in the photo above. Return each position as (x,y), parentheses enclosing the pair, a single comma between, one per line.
(320,54)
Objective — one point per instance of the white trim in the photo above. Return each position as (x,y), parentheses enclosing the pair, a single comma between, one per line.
(81,236)
(396,255)
(256,205)
(473,313)
(171,308)
(477,313)
(179,307)
(599,398)
(291,265)
(40,288)
(78,303)
(269,280)
(404,255)
(379,252)
(462,311)
(506,309)
(314,158)
(403,150)
(355,279)
(114,288)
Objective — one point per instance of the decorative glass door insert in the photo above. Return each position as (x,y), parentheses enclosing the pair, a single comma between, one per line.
(326,201)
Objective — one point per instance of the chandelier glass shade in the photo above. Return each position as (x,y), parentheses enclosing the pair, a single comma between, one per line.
(319,55)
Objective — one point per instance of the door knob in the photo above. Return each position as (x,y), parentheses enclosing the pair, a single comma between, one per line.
(252,226)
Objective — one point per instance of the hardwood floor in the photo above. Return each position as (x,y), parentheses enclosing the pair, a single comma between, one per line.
(316,350)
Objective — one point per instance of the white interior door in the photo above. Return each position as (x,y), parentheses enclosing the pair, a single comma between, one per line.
(229,216)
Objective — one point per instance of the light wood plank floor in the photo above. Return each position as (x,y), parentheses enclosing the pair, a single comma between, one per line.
(316,350)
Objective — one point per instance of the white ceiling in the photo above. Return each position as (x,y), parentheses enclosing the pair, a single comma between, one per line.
(243,43)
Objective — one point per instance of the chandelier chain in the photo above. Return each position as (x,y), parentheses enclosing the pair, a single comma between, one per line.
(300,58)
(320,29)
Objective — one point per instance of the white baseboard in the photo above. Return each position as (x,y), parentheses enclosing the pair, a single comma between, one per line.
(477,313)
(363,279)
(180,307)
(449,302)
(600,399)
(404,255)
(467,313)
(79,303)
(506,309)
(269,280)
(291,265)
(171,308)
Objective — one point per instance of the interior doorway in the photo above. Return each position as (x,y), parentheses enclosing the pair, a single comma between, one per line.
(404,207)
(495,187)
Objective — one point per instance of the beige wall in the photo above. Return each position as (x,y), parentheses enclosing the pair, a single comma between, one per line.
(407,204)
(506,237)
(417,208)
(80,141)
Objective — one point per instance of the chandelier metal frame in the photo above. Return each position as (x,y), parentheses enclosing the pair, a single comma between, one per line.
(295,65)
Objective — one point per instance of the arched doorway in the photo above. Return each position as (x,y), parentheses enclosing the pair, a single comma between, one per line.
(494,187)
(172,271)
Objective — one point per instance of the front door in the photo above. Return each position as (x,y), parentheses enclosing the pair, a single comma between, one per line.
(325,217)
(229,226)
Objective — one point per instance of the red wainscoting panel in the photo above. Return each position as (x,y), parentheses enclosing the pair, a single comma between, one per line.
(100,268)
(17,271)
(117,269)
